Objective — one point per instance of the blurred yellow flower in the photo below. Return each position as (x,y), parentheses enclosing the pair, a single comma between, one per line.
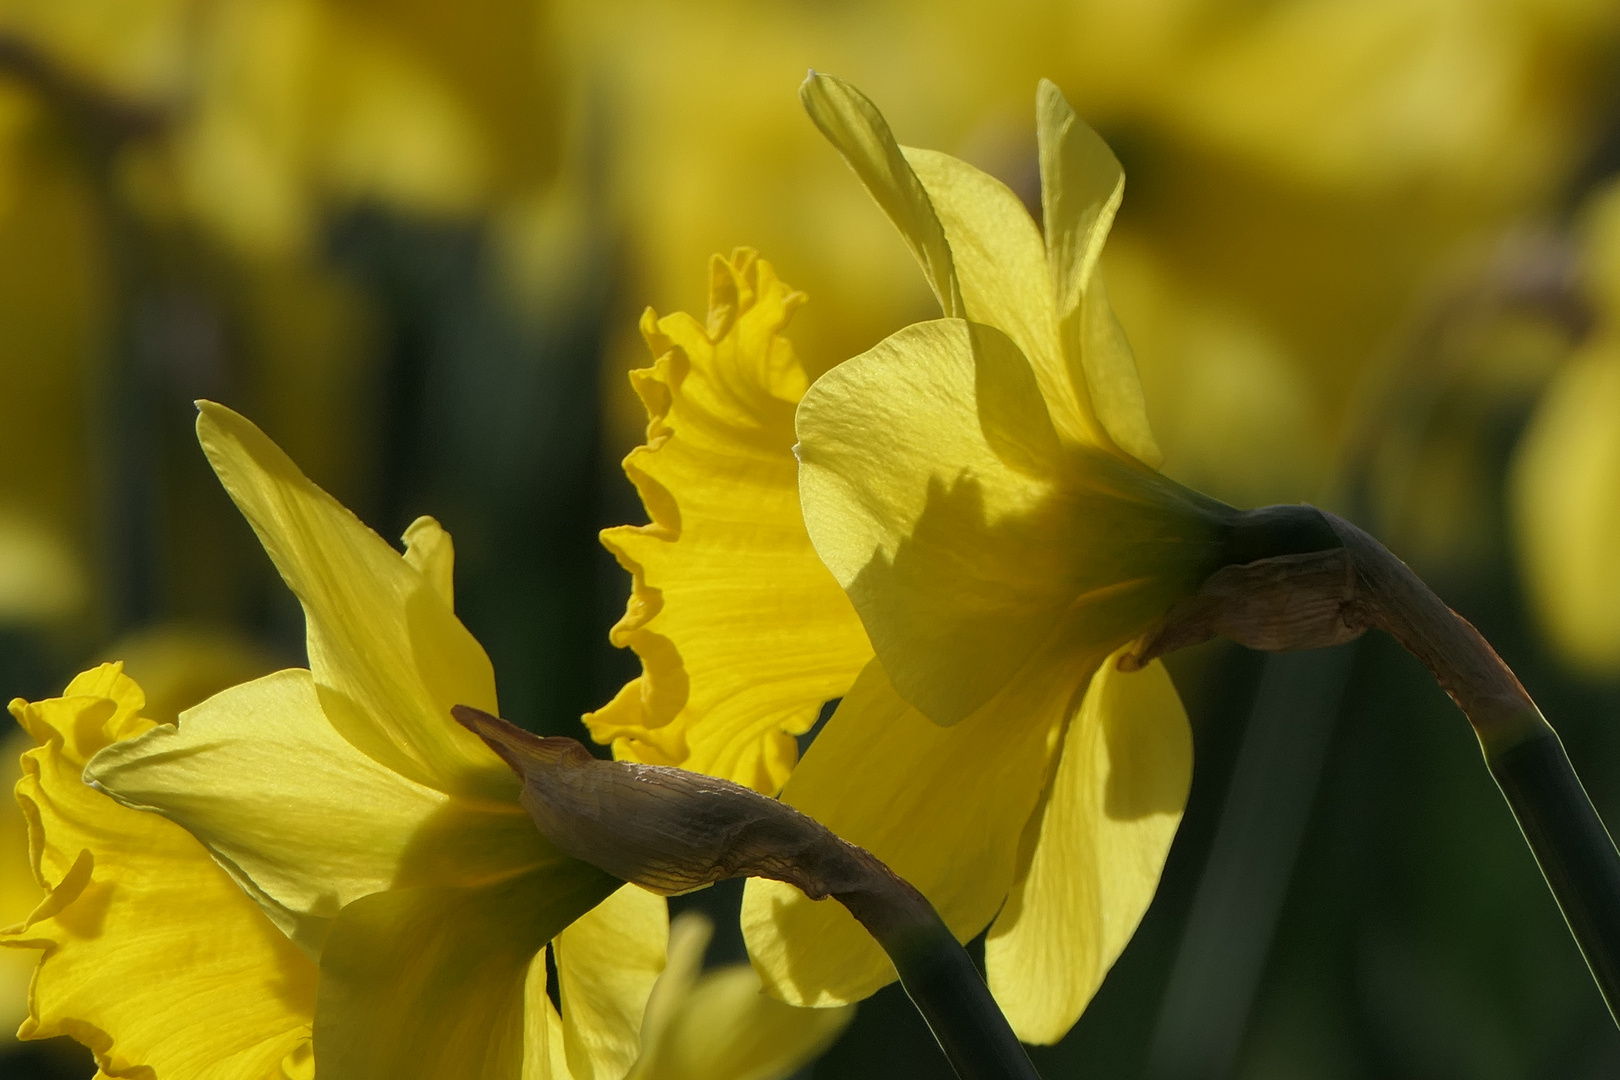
(742,633)
(707,1025)
(385,841)
(982,486)
(277,110)
(53,306)
(179,665)
(1299,168)
(1564,485)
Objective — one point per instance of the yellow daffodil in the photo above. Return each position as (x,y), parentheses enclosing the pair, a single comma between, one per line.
(179,666)
(983,486)
(153,957)
(1565,482)
(381,838)
(742,633)
(156,959)
(1055,800)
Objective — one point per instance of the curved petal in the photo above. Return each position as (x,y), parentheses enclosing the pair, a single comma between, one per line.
(387,652)
(943,807)
(854,125)
(607,963)
(1081,188)
(741,631)
(1001,264)
(1082,185)
(1099,845)
(439,982)
(305,822)
(429,549)
(718,1024)
(966,534)
(154,958)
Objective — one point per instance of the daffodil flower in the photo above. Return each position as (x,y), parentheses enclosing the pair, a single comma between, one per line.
(744,634)
(985,489)
(152,956)
(380,837)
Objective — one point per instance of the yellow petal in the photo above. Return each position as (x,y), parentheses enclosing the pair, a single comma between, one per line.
(943,807)
(19,892)
(436,982)
(853,124)
(543,1056)
(429,549)
(719,1024)
(936,490)
(1102,839)
(1001,264)
(689,936)
(607,963)
(387,652)
(156,960)
(1111,378)
(303,820)
(1081,188)
(742,632)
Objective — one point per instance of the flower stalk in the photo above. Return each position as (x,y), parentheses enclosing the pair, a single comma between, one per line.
(672,831)
(1298,598)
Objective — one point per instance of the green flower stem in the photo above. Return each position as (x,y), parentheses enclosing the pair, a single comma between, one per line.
(1298,578)
(1576,854)
(1573,848)
(672,831)
(938,975)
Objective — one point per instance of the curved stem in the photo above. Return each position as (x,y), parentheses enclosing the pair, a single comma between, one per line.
(1576,854)
(671,831)
(1297,592)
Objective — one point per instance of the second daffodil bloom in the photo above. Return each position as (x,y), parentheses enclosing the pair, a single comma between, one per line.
(382,838)
(985,489)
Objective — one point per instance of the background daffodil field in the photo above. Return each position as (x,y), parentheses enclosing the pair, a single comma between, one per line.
(1368,257)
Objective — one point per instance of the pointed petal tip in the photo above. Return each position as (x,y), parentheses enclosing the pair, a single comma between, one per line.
(517,747)
(504,737)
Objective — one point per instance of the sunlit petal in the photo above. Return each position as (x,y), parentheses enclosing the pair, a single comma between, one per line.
(1099,844)
(742,632)
(303,820)
(154,958)
(853,124)
(607,963)
(974,536)
(388,654)
(943,807)
(1082,185)
(1001,264)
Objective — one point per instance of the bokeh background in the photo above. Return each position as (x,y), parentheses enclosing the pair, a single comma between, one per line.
(1369,257)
